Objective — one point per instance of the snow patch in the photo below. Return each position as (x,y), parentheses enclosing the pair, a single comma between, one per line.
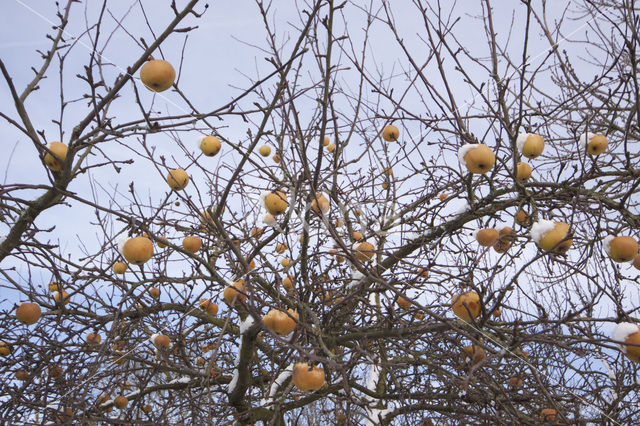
(462,151)
(374,376)
(389,222)
(376,416)
(586,137)
(277,384)
(610,372)
(540,228)
(121,242)
(606,244)
(522,138)
(281,378)
(234,381)
(475,233)
(269,219)
(622,331)
(372,299)
(246,323)
(263,194)
(463,208)
(356,278)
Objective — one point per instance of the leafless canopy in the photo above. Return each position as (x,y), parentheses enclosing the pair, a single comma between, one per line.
(377,319)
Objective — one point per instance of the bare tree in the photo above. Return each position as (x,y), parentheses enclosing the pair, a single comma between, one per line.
(409,213)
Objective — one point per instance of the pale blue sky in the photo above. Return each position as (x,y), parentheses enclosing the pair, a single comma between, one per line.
(216,56)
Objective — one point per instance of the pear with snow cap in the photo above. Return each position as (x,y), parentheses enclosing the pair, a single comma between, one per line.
(627,336)
(551,236)
(530,145)
(596,144)
(620,249)
(160,341)
(477,158)
(60,151)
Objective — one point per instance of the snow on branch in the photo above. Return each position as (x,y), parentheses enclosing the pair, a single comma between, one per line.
(277,384)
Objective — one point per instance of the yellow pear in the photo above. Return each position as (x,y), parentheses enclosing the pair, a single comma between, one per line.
(60,150)
(390,133)
(486,237)
(210,145)
(119,267)
(623,249)
(157,75)
(365,251)
(633,351)
(478,158)
(554,236)
(523,172)
(466,305)
(531,145)
(138,250)
(177,179)
(265,150)
(276,202)
(597,144)
(320,203)
(280,322)
(307,378)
